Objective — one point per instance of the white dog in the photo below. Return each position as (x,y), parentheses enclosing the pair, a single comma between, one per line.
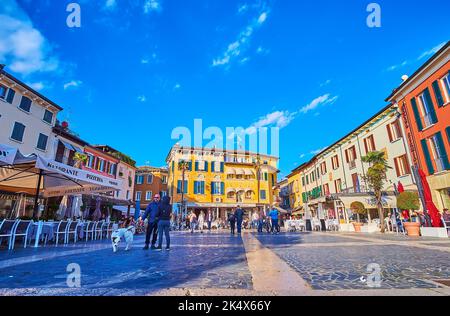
(125,233)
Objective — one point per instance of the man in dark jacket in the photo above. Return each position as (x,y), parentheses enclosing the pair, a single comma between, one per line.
(163,215)
(152,227)
(239,214)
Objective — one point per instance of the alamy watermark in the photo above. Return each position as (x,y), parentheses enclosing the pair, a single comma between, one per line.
(374,276)
(262,140)
(74,17)
(374,18)
(74,275)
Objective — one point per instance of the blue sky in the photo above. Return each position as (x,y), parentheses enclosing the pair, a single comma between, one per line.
(136,69)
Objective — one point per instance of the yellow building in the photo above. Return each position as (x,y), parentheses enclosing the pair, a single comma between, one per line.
(220,179)
(295,190)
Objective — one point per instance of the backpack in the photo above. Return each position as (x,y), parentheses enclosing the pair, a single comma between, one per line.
(231,218)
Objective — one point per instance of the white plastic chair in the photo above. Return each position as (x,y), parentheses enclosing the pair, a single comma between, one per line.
(6,230)
(20,229)
(61,229)
(316,224)
(98,230)
(72,230)
(89,229)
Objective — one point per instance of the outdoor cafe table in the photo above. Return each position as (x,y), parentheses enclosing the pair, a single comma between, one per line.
(39,228)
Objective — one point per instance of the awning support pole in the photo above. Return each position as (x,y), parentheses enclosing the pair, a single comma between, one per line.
(36,197)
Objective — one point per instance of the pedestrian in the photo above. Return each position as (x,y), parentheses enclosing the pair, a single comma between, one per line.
(262,217)
(201,221)
(232,221)
(255,219)
(152,225)
(209,219)
(239,214)
(192,221)
(445,215)
(274,217)
(163,215)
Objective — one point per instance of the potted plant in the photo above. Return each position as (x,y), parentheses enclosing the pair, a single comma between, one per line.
(359,209)
(80,159)
(409,201)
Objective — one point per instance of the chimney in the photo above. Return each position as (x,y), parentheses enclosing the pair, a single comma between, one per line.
(404,78)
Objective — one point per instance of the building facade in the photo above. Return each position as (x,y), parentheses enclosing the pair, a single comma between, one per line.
(26,117)
(424,101)
(335,178)
(148,182)
(294,190)
(220,180)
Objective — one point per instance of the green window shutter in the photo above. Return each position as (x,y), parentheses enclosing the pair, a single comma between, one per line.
(426,153)
(212,166)
(442,151)
(195,187)
(447,130)
(431,106)
(173,166)
(206,166)
(438,94)
(416,114)
(190,165)
(196,166)
(222,167)
(222,188)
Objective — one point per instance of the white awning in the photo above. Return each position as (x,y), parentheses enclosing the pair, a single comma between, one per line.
(231,171)
(248,172)
(240,171)
(230,190)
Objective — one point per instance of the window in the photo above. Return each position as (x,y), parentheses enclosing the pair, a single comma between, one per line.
(149,179)
(138,196)
(217,188)
(263,194)
(438,152)
(180,186)
(25,104)
(350,155)
(303,181)
(323,168)
(90,162)
(335,162)
(3,90)
(139,179)
(42,142)
(112,169)
(163,194)
(369,144)
(148,195)
(48,117)
(446,83)
(18,131)
(199,187)
(101,165)
(426,110)
(402,166)
(128,194)
(164,179)
(338,185)
(394,131)
(326,189)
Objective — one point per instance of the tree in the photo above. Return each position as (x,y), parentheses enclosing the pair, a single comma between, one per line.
(375,179)
(408,201)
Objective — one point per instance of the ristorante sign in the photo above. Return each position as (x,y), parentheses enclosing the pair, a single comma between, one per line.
(82,176)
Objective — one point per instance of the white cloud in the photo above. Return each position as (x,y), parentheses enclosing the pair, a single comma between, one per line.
(241,45)
(177,86)
(22,47)
(243,8)
(315,152)
(325,83)
(142,98)
(110,4)
(302,156)
(152,6)
(278,119)
(72,84)
(432,51)
(262,51)
(322,100)
(393,67)
(37,85)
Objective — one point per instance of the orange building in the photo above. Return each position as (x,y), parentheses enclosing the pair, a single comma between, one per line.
(424,102)
(150,181)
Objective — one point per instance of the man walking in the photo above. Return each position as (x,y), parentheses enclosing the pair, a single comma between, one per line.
(152,226)
(274,217)
(209,219)
(239,214)
(163,215)
(232,220)
(262,216)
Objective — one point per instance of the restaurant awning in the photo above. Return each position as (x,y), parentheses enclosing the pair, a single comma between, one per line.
(230,190)
(57,179)
(369,201)
(240,171)
(231,171)
(248,172)
(71,147)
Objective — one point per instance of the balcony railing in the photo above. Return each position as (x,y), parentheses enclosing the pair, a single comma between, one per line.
(360,189)
(352,164)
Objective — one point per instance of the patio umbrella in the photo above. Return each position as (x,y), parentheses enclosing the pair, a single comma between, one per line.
(401,189)
(62,208)
(431,208)
(19,206)
(69,209)
(97,213)
(76,206)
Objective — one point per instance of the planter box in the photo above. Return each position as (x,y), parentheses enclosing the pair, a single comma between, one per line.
(438,232)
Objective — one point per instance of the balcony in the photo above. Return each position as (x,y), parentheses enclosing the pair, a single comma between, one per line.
(352,164)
